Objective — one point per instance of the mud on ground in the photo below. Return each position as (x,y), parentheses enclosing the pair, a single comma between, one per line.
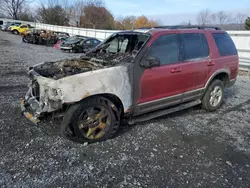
(191,148)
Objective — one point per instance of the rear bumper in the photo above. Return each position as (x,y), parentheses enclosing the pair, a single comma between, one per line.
(231,82)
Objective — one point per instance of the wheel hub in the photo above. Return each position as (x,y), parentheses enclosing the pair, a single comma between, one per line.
(94,123)
(216,96)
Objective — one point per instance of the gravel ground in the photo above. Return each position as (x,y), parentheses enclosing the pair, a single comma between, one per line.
(191,148)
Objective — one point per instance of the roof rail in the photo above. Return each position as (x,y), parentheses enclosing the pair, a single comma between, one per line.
(183,27)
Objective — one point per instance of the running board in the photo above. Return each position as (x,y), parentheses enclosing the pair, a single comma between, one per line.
(149,116)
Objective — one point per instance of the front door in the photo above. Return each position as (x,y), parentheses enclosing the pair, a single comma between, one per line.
(162,86)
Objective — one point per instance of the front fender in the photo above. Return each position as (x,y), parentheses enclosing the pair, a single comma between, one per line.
(114,80)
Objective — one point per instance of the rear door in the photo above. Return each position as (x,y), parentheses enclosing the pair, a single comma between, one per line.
(195,56)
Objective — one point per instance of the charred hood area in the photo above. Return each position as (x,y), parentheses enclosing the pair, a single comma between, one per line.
(68,67)
(63,68)
(120,48)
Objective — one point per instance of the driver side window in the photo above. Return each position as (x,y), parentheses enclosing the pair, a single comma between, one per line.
(166,49)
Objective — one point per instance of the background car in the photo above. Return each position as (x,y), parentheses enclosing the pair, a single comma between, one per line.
(13,24)
(39,36)
(79,44)
(20,29)
(5,26)
(63,40)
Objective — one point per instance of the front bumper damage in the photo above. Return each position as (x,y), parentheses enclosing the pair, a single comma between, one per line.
(34,119)
(40,99)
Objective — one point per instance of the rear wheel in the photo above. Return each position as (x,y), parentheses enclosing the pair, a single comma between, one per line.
(214,95)
(95,119)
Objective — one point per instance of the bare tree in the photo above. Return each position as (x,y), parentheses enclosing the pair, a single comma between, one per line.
(12,8)
(52,13)
(240,18)
(203,17)
(221,18)
(77,10)
(128,22)
(96,15)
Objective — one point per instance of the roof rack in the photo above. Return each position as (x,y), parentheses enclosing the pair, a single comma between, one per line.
(183,27)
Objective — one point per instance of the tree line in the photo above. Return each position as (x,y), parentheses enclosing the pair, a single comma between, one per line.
(223,19)
(80,13)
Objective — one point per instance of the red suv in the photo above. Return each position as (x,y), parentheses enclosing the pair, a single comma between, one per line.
(134,75)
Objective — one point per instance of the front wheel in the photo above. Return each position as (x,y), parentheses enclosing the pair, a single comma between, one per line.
(15,32)
(93,120)
(214,95)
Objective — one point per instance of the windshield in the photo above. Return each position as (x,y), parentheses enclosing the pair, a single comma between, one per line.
(124,43)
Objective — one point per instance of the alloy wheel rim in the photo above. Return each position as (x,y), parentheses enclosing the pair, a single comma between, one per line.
(94,122)
(216,96)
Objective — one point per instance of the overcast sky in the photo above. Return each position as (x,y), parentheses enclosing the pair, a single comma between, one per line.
(175,11)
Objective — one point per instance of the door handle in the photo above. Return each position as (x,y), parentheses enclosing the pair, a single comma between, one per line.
(210,63)
(175,70)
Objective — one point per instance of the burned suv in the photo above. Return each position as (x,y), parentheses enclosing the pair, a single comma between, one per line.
(133,76)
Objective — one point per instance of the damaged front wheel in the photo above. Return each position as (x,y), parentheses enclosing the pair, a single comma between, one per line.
(93,120)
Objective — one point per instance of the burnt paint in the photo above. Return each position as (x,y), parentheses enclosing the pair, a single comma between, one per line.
(136,77)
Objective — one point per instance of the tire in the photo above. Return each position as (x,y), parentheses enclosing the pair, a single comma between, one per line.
(15,32)
(214,96)
(92,129)
(25,40)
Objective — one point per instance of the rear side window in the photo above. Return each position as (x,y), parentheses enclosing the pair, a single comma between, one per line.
(193,46)
(1,22)
(224,44)
(166,49)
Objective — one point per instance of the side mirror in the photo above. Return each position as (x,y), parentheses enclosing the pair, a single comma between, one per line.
(150,62)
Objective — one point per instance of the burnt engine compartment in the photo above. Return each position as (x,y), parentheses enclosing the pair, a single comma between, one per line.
(63,68)
(68,67)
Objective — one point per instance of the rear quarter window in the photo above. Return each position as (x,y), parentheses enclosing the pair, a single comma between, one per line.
(224,44)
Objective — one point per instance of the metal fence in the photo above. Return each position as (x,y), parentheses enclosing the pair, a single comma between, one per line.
(242,42)
(240,38)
